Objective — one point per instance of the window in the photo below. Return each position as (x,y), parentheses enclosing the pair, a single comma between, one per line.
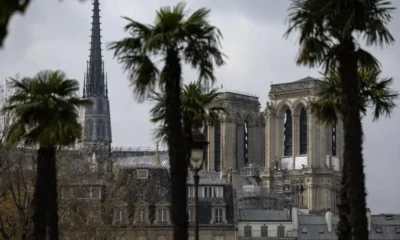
(303,131)
(191,237)
(281,231)
(191,215)
(118,215)
(321,231)
(218,215)
(378,230)
(191,191)
(218,192)
(218,237)
(334,140)
(246,143)
(397,230)
(247,231)
(288,134)
(304,230)
(389,217)
(88,192)
(142,215)
(208,192)
(162,215)
(142,173)
(264,231)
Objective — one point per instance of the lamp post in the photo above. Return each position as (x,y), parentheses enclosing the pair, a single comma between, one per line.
(196,163)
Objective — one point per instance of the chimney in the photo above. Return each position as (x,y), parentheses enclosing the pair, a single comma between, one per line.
(369,219)
(328,219)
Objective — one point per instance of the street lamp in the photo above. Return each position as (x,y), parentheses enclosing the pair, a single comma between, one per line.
(196,163)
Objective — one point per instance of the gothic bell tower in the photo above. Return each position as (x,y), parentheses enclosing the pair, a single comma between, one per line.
(96,118)
(303,158)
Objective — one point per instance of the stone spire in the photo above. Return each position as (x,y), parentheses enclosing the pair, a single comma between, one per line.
(95,80)
(158,161)
(97,120)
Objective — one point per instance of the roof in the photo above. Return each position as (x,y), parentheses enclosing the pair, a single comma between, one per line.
(263,215)
(135,158)
(382,227)
(307,79)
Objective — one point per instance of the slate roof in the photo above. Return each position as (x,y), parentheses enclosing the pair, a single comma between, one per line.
(317,228)
(307,79)
(263,215)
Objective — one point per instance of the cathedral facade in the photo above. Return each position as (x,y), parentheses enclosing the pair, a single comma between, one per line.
(296,156)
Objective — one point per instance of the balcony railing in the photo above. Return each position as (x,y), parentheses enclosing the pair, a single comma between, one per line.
(266,235)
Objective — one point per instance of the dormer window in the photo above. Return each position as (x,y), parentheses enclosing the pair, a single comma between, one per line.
(378,230)
(141,215)
(162,215)
(218,215)
(142,173)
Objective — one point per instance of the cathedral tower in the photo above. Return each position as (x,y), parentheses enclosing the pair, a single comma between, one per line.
(303,158)
(236,140)
(96,118)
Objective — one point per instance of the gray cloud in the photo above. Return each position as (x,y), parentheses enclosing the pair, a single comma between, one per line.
(55,35)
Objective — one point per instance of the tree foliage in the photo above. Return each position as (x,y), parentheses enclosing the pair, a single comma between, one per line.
(375,93)
(196,108)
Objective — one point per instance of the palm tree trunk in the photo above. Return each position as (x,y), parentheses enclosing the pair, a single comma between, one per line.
(52,195)
(40,196)
(344,228)
(355,182)
(177,157)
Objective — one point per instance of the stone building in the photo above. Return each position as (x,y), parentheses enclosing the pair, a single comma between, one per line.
(303,157)
(236,140)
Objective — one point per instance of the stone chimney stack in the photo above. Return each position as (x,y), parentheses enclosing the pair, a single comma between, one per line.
(369,219)
(328,219)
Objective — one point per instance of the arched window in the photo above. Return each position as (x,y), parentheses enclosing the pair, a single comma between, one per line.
(303,131)
(217,149)
(334,140)
(205,154)
(246,143)
(287,133)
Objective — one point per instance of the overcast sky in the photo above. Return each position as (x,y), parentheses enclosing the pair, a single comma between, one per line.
(55,35)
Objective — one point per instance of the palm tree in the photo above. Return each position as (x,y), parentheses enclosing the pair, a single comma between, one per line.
(327,37)
(176,37)
(46,115)
(374,93)
(196,105)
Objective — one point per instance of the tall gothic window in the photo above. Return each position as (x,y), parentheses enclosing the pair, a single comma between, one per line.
(303,131)
(205,155)
(246,143)
(100,106)
(287,133)
(334,140)
(217,150)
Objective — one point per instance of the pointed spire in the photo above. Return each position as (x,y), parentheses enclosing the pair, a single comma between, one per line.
(158,161)
(95,76)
